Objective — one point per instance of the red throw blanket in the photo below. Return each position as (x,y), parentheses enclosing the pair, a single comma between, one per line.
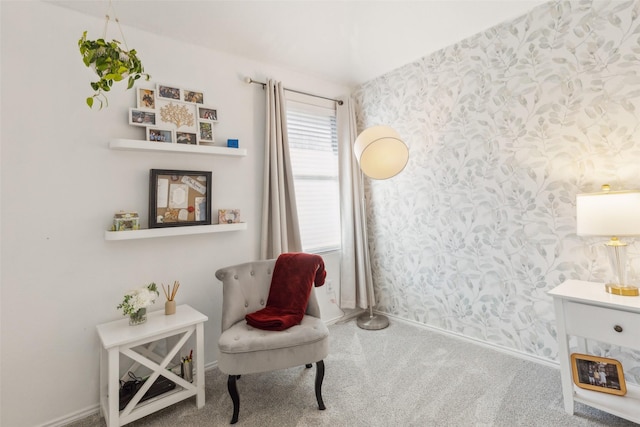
(293,276)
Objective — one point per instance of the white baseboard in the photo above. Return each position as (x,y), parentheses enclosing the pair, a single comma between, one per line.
(73,417)
(351,314)
(348,315)
(510,351)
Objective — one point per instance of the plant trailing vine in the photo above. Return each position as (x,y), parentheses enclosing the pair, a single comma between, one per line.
(111,63)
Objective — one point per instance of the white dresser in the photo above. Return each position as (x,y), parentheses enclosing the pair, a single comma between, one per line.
(587,311)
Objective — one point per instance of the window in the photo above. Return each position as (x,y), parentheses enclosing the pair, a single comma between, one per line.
(313,145)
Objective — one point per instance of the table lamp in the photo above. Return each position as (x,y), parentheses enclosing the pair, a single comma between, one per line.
(612,214)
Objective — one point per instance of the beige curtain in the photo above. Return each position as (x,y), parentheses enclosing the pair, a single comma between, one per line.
(356,284)
(280,228)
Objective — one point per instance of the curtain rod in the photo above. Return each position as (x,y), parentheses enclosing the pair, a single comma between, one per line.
(250,80)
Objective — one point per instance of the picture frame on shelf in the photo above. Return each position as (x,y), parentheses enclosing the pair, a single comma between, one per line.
(155,134)
(181,116)
(205,132)
(168,92)
(194,96)
(207,113)
(187,138)
(125,221)
(179,198)
(167,107)
(228,216)
(598,374)
(146,98)
(142,117)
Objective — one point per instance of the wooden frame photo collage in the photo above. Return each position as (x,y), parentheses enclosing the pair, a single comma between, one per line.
(174,115)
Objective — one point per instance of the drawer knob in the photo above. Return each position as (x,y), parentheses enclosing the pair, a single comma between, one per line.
(617,328)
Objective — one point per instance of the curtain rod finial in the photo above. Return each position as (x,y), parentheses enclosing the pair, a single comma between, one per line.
(248,80)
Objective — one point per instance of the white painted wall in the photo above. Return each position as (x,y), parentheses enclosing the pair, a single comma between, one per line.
(61,186)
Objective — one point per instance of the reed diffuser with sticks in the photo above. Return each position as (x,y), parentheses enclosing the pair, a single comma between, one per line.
(170,305)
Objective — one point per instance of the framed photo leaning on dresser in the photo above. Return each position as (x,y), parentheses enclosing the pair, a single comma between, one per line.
(598,373)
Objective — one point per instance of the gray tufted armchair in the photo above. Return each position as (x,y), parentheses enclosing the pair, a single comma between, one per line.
(246,350)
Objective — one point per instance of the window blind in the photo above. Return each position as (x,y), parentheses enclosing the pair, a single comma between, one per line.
(313,145)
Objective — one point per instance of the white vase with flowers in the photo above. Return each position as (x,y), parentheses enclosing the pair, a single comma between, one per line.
(136,301)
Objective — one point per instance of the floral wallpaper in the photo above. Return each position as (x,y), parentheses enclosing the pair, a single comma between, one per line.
(504,129)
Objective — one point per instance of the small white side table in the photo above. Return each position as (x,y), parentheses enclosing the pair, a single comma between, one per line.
(138,344)
(585,310)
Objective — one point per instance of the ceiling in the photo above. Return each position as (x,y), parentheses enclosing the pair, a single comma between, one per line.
(346,41)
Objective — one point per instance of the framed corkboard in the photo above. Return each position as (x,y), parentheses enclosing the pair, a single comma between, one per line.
(179,198)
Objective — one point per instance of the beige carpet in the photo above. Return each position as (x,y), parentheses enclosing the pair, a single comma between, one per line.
(401,376)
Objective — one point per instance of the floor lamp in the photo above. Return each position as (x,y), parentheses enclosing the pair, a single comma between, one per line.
(381,154)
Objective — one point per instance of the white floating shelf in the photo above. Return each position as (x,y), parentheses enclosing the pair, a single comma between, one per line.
(173,231)
(138,145)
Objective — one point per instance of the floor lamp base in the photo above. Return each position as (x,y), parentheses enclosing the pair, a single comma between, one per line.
(372,321)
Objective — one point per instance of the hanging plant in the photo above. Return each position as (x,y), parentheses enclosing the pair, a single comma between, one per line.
(111,63)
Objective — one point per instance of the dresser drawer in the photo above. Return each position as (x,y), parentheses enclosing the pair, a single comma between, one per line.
(600,323)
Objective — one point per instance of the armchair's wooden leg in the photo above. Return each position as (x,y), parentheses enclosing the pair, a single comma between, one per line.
(319,379)
(233,392)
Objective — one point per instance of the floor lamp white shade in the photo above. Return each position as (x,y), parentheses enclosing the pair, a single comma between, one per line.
(612,214)
(381,154)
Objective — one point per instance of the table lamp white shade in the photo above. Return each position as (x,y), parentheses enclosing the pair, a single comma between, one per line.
(611,214)
(380,152)
(608,213)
